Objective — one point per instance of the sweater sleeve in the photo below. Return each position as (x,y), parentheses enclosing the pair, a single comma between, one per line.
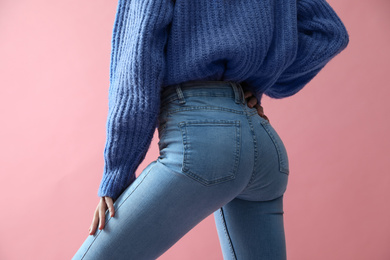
(321,36)
(136,75)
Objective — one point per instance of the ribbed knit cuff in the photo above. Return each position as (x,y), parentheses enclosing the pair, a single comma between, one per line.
(112,187)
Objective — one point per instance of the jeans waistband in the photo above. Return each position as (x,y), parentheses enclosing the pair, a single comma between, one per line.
(176,91)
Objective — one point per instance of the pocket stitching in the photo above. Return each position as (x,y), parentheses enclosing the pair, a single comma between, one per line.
(280,158)
(183,127)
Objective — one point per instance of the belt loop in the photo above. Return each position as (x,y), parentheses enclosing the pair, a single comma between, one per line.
(180,94)
(236,92)
(242,93)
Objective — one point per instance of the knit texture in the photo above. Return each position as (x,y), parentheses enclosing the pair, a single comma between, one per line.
(271,47)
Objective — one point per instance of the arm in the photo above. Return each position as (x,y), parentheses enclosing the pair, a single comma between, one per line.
(136,75)
(321,36)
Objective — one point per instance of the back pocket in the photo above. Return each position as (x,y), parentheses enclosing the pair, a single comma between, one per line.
(211,150)
(281,149)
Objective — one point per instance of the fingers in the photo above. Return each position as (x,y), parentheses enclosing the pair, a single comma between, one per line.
(95,220)
(247,94)
(260,111)
(99,216)
(252,102)
(265,117)
(110,205)
(102,213)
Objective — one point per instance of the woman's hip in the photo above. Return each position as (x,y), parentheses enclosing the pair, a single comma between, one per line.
(208,133)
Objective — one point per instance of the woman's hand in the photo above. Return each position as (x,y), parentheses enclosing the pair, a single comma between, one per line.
(100,214)
(252,102)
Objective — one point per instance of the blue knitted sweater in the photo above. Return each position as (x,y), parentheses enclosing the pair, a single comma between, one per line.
(272,47)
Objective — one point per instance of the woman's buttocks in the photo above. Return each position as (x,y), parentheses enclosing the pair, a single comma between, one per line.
(271,168)
(208,137)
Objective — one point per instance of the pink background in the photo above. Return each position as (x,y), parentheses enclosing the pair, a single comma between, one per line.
(54,72)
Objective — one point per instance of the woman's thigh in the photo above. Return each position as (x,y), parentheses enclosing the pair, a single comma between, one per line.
(154,212)
(251,229)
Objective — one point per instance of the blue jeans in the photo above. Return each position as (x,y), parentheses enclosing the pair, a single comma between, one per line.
(217,156)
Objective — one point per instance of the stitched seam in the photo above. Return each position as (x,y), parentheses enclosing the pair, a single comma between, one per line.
(171,100)
(255,148)
(170,112)
(115,211)
(167,100)
(227,233)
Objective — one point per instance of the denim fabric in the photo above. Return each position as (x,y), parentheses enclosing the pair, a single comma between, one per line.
(217,156)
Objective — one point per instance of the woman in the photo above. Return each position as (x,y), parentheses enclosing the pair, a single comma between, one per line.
(189,68)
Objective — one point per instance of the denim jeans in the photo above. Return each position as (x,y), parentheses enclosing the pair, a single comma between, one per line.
(217,156)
